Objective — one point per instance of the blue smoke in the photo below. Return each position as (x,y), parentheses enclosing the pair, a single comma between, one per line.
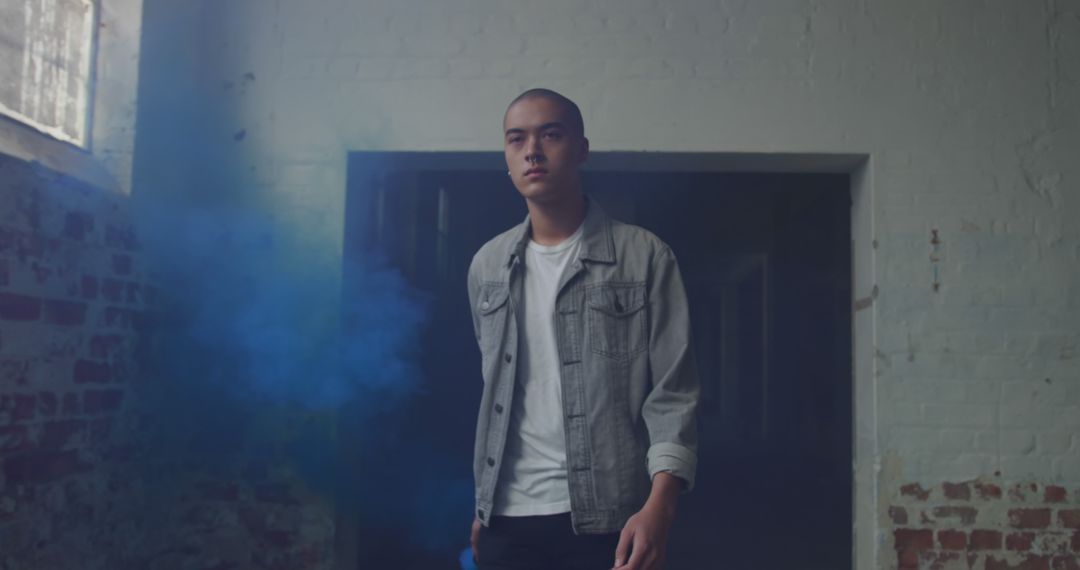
(252,343)
(247,340)
(258,309)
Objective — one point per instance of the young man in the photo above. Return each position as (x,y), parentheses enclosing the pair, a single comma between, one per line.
(587,430)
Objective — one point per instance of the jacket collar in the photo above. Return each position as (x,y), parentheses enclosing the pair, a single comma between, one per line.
(596,241)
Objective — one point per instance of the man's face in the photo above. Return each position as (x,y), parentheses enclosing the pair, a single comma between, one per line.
(542,153)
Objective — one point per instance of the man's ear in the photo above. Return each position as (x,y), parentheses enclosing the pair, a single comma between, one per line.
(584,153)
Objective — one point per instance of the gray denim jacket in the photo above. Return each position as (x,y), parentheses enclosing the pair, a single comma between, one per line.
(629,377)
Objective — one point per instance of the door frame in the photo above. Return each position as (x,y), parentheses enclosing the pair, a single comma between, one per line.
(858,167)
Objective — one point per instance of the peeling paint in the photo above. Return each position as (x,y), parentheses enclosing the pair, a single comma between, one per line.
(866,302)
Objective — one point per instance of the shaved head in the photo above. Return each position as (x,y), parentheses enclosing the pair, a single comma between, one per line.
(571,112)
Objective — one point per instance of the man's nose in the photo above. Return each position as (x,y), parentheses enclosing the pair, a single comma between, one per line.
(536,153)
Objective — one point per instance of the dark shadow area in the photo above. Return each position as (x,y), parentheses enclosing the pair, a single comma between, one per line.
(766,260)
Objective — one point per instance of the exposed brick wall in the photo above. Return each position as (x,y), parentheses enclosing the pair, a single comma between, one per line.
(985,525)
(88,479)
(72,300)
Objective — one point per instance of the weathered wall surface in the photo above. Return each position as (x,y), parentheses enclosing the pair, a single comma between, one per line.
(93,473)
(72,295)
(90,474)
(969,112)
(72,299)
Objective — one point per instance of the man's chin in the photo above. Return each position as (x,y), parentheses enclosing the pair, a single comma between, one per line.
(535,191)
(541,192)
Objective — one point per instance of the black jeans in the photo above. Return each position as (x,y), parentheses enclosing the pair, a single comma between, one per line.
(542,543)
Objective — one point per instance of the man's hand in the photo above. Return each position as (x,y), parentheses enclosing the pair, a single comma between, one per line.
(645,535)
(474,537)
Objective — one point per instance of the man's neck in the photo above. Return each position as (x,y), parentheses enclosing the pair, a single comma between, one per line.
(553,222)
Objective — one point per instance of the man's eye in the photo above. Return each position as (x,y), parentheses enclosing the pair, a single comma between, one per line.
(513,140)
(554,135)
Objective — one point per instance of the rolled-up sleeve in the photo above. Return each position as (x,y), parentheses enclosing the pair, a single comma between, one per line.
(670,409)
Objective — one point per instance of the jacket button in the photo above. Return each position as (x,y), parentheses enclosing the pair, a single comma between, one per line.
(485,305)
(491,462)
(498,408)
(507,357)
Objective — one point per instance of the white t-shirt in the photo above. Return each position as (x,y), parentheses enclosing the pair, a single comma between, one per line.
(533,475)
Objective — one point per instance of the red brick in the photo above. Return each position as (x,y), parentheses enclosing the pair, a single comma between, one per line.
(89,287)
(1054,494)
(15,307)
(20,406)
(964,515)
(915,491)
(1029,518)
(112,290)
(898,515)
(64,313)
(23,244)
(957,491)
(985,540)
(1065,562)
(915,539)
(952,539)
(121,264)
(1069,518)
(987,490)
(87,371)
(60,434)
(937,560)
(14,372)
(907,558)
(1019,540)
(42,467)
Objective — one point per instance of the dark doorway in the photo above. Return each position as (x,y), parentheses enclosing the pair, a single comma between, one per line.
(767,264)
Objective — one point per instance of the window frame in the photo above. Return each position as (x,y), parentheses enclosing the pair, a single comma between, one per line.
(88,67)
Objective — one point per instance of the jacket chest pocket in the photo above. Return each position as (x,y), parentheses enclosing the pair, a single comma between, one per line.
(616,319)
(492,309)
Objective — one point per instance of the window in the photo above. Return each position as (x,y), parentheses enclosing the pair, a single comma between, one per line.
(46,49)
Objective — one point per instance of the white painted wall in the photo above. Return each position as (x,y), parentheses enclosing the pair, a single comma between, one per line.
(968,110)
